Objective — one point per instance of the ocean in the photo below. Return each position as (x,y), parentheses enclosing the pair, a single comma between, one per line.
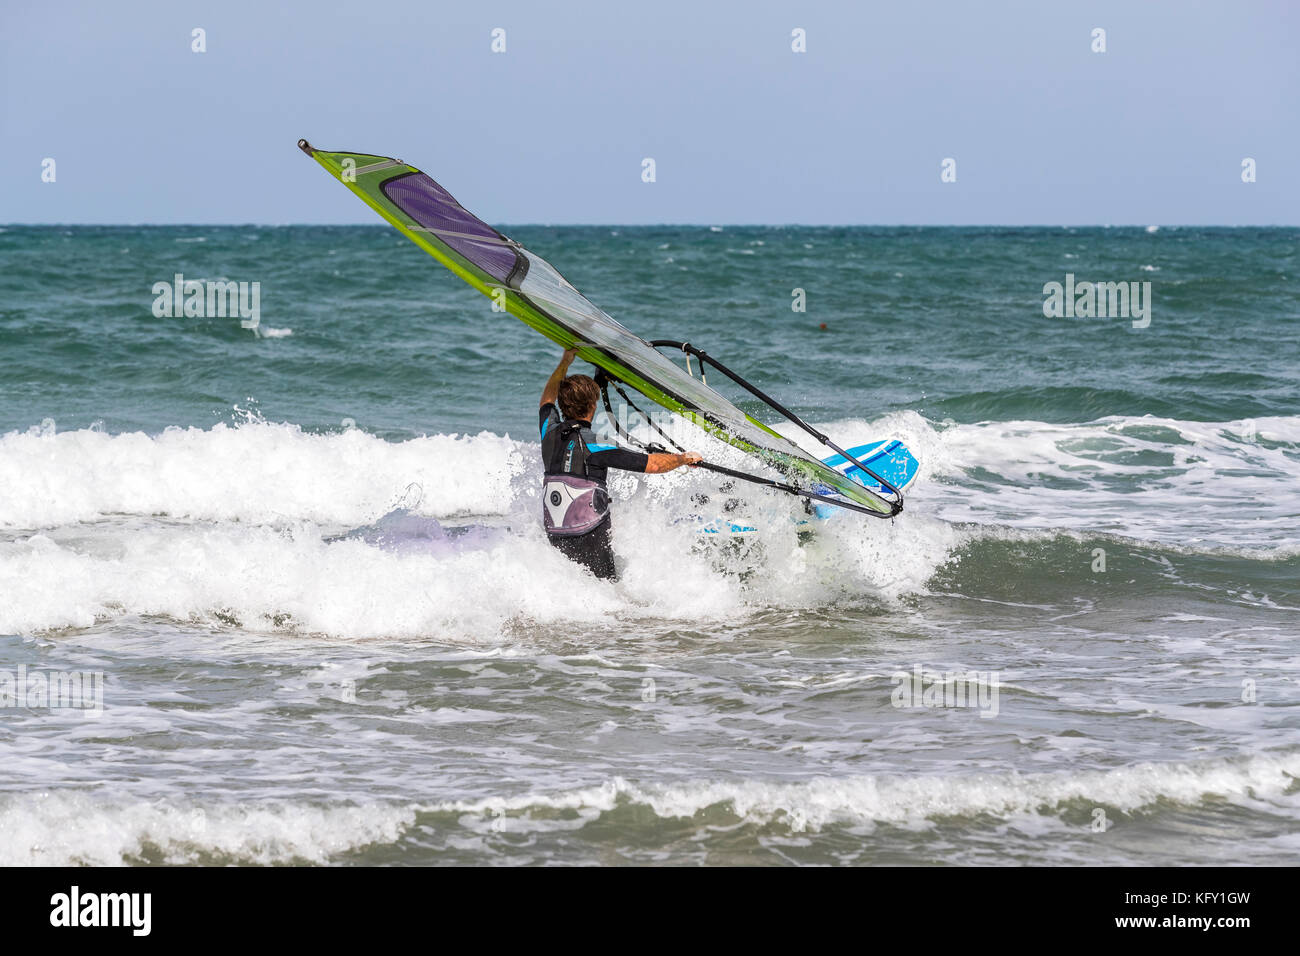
(296,572)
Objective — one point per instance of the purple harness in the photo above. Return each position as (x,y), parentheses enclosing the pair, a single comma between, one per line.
(572,505)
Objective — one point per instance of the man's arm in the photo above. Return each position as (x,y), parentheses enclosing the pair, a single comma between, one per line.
(552,389)
(659,462)
(625,459)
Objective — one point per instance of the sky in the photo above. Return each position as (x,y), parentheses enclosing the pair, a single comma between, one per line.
(741,128)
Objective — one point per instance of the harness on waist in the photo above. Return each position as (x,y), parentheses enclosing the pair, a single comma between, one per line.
(572,503)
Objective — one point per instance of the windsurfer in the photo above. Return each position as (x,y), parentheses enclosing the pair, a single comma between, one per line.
(574,497)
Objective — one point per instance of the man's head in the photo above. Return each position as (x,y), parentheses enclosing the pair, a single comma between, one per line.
(578,396)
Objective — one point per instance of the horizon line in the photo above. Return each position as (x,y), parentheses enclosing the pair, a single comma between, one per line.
(684,225)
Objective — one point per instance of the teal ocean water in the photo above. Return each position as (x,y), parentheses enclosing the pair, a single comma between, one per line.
(1101,554)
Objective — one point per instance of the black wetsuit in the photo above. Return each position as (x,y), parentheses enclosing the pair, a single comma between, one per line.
(593,549)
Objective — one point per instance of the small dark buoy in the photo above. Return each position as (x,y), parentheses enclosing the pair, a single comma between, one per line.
(822,326)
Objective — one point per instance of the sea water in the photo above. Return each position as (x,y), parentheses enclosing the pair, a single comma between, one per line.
(303,564)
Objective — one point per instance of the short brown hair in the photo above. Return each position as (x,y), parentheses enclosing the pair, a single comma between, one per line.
(578,394)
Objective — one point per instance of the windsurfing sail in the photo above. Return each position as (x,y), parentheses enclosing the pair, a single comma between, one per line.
(528,287)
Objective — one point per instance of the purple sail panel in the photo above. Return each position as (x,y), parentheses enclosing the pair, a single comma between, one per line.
(434,208)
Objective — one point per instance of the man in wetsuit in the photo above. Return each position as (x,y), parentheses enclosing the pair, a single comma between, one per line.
(575,501)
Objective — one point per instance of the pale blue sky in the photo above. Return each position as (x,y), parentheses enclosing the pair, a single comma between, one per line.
(742,129)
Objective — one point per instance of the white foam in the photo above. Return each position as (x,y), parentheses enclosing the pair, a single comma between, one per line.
(132,519)
(255,472)
(917,800)
(1229,482)
(263,580)
(228,524)
(292,578)
(1197,484)
(87,828)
